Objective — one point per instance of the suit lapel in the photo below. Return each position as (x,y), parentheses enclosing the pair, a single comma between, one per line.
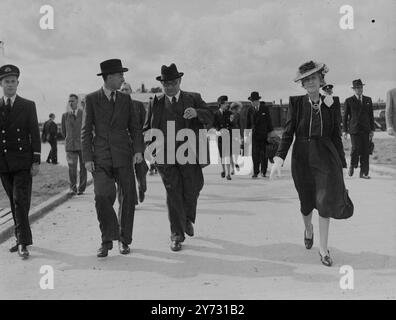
(117,108)
(158,109)
(104,105)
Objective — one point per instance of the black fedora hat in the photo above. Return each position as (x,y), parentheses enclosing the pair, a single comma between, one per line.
(222,99)
(169,73)
(9,70)
(254,96)
(357,83)
(111,66)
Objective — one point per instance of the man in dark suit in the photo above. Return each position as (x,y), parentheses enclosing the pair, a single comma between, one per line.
(183,181)
(20,149)
(109,129)
(262,125)
(141,168)
(71,130)
(359,122)
(50,134)
(222,120)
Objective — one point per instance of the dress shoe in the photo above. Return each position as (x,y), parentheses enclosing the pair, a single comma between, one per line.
(237,167)
(263,175)
(254,176)
(326,260)
(350,171)
(79,193)
(141,195)
(103,251)
(365,176)
(176,245)
(223,174)
(229,177)
(190,229)
(308,242)
(72,192)
(14,248)
(48,161)
(124,248)
(23,251)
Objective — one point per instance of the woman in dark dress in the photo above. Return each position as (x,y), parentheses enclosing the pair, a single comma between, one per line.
(318,156)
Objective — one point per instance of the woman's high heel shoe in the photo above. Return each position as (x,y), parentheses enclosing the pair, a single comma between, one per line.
(326,260)
(308,242)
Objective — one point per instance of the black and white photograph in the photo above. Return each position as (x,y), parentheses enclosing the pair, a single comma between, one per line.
(203,153)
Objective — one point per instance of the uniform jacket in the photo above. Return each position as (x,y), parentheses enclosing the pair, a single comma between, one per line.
(107,136)
(71,130)
(358,117)
(390,111)
(204,119)
(20,144)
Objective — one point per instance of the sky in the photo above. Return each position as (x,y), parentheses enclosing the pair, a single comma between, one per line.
(229,47)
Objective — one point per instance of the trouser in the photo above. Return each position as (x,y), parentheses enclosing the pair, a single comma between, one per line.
(73,157)
(360,150)
(105,181)
(183,183)
(259,156)
(18,186)
(53,154)
(141,170)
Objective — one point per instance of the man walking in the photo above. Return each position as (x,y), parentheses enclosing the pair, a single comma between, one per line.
(141,168)
(262,125)
(110,127)
(359,122)
(183,181)
(71,130)
(390,112)
(20,148)
(50,135)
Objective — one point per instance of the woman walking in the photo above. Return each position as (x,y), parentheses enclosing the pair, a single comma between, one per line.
(317,157)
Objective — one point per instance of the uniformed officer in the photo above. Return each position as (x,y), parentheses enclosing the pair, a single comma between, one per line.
(20,148)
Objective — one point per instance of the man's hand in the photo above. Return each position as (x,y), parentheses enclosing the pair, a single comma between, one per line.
(35,169)
(90,166)
(276,168)
(391,131)
(371,135)
(137,158)
(345,135)
(190,113)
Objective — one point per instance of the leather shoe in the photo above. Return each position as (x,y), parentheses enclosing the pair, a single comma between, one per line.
(124,248)
(14,248)
(254,176)
(141,196)
(103,251)
(365,176)
(308,242)
(350,171)
(223,174)
(229,177)
(79,193)
(190,229)
(23,251)
(326,260)
(176,245)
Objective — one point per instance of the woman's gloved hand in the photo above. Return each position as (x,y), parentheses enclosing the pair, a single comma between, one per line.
(276,168)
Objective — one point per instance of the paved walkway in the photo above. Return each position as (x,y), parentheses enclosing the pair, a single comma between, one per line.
(248,245)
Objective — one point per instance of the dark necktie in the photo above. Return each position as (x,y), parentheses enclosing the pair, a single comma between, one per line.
(174,100)
(112,99)
(8,106)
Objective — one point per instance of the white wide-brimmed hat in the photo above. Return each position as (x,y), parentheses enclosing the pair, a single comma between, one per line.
(309,68)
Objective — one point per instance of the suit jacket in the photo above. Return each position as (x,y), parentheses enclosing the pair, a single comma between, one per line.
(107,136)
(262,123)
(246,118)
(71,130)
(390,110)
(358,117)
(204,119)
(20,144)
(298,122)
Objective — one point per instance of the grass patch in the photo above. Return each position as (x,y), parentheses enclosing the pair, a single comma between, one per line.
(51,180)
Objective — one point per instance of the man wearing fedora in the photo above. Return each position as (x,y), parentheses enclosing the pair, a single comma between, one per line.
(261,126)
(359,122)
(20,148)
(109,123)
(183,181)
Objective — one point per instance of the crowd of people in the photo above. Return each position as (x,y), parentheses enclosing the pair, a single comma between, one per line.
(108,138)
